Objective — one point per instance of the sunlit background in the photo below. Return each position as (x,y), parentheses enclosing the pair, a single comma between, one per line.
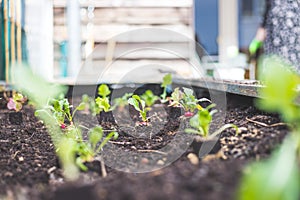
(58,38)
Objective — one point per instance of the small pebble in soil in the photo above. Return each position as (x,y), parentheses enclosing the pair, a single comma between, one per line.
(50,170)
(160,162)
(133,147)
(144,161)
(8,174)
(242,130)
(193,158)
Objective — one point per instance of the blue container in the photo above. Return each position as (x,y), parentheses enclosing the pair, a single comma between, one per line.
(63,61)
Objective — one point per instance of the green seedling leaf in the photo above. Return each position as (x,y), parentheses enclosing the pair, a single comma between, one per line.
(149,98)
(134,101)
(176,97)
(95,136)
(18,97)
(122,101)
(67,151)
(66,108)
(18,106)
(276,178)
(193,131)
(223,128)
(113,135)
(56,105)
(16,102)
(189,102)
(102,104)
(90,105)
(167,80)
(201,122)
(280,89)
(34,87)
(139,105)
(188,92)
(81,106)
(79,163)
(85,98)
(103,90)
(74,132)
(85,152)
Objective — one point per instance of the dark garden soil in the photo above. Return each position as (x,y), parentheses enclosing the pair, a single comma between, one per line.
(29,168)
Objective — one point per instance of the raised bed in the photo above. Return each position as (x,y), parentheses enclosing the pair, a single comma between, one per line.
(29,168)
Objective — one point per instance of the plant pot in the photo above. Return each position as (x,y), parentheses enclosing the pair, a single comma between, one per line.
(202,148)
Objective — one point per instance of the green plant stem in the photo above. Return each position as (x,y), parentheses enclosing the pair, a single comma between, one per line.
(220,130)
(164,94)
(107,138)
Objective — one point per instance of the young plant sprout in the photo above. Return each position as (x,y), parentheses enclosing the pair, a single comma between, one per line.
(149,98)
(75,146)
(176,97)
(90,105)
(189,102)
(121,102)
(277,177)
(201,122)
(16,102)
(88,151)
(186,100)
(167,80)
(61,111)
(140,106)
(102,102)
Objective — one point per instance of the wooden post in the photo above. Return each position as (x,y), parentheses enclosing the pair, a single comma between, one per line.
(12,37)
(74,38)
(19,30)
(5,16)
(228,29)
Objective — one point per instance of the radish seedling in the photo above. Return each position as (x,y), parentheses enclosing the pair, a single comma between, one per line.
(201,122)
(149,98)
(167,80)
(121,102)
(102,102)
(16,101)
(140,106)
(278,177)
(186,100)
(88,151)
(61,111)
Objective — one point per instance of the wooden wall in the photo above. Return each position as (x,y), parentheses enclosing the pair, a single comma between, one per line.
(118,27)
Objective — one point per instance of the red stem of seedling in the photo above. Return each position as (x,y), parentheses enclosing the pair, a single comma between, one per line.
(143,123)
(63,126)
(188,114)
